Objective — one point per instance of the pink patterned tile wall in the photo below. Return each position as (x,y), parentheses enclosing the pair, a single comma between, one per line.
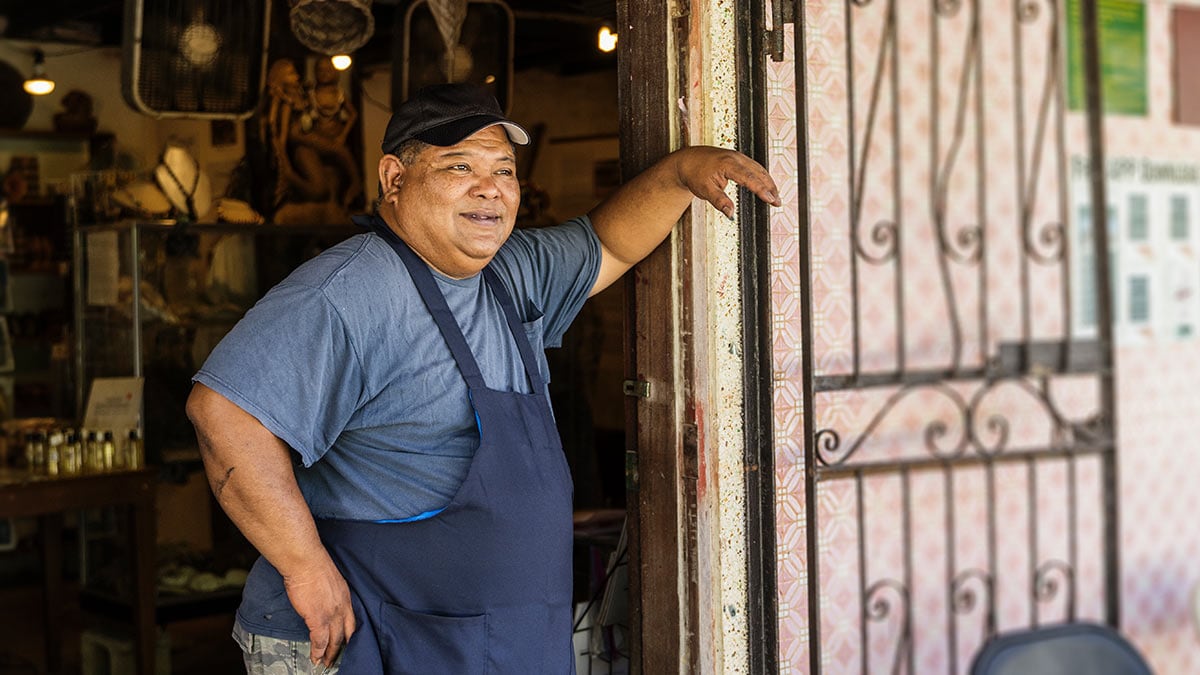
(919,187)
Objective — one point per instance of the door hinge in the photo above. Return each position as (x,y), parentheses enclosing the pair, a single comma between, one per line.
(783,12)
(636,388)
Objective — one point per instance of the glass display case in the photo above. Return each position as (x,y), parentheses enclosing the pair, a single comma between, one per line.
(153,298)
(35,254)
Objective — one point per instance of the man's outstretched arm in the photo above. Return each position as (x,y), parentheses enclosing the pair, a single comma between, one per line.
(250,472)
(640,215)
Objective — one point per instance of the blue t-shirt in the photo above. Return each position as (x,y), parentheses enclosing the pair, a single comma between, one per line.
(343,362)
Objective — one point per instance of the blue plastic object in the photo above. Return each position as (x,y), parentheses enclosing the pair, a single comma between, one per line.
(1063,649)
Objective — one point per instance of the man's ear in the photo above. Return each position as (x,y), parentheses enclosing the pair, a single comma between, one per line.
(391,174)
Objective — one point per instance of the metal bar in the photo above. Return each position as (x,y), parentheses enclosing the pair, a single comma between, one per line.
(934,463)
(938,186)
(1021,365)
(755,221)
(906,638)
(864,624)
(804,245)
(80,292)
(1072,527)
(1022,206)
(1063,184)
(981,172)
(135,272)
(776,49)
(1108,409)
(1031,468)
(897,186)
(993,568)
(855,186)
(951,564)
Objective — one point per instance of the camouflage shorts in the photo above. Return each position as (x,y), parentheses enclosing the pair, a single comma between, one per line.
(272,656)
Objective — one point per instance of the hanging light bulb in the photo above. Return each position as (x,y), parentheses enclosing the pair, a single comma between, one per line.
(38,84)
(606,40)
(341,61)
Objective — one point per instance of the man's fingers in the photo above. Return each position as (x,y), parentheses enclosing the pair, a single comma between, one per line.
(756,179)
(319,640)
(336,640)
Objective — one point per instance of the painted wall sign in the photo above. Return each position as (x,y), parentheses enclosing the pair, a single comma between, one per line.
(1154,256)
(1122,56)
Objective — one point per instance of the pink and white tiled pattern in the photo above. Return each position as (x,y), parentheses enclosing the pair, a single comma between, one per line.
(1157,405)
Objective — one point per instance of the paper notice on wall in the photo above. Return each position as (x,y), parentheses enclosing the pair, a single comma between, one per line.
(103,268)
(114,404)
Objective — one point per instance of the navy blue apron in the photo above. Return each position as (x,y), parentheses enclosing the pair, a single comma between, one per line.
(484,586)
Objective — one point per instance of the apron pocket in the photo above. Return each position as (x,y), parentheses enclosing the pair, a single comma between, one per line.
(414,643)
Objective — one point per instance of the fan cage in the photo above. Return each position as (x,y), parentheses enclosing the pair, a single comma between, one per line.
(489,32)
(195,58)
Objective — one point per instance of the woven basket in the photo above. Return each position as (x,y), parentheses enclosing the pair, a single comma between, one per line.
(332,26)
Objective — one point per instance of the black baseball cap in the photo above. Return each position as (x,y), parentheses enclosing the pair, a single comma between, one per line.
(444,114)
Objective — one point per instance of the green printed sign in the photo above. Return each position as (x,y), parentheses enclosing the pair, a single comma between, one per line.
(1122,32)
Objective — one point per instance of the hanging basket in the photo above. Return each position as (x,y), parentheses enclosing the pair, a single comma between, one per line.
(332,26)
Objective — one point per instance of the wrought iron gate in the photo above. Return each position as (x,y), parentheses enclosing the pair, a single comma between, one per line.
(958,392)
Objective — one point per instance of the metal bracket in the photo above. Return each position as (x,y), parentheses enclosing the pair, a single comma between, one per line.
(783,12)
(636,388)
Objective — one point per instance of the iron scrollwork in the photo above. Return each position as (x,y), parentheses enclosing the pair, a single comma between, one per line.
(877,607)
(988,436)
(1050,577)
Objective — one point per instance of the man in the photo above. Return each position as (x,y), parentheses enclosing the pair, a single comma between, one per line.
(378,426)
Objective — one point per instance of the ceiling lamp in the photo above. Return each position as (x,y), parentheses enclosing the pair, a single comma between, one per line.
(341,61)
(606,40)
(38,84)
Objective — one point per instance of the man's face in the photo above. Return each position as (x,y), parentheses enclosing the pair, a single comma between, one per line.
(456,205)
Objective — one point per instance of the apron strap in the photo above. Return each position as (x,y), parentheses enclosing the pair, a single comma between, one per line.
(435,302)
(515,327)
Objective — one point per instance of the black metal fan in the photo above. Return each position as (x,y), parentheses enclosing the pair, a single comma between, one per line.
(483,55)
(195,58)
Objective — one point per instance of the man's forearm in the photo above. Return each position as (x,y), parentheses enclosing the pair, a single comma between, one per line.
(640,215)
(637,218)
(250,471)
(251,475)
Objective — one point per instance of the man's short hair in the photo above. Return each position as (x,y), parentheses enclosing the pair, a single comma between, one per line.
(407,154)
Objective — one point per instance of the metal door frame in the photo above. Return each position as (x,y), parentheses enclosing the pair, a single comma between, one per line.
(825,456)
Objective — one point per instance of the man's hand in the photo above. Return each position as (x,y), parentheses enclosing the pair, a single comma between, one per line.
(321,597)
(639,216)
(706,171)
(251,474)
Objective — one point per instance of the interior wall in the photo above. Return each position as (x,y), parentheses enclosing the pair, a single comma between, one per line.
(140,139)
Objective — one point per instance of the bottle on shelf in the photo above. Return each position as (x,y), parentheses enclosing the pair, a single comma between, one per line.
(135,451)
(93,460)
(37,464)
(70,458)
(54,442)
(108,451)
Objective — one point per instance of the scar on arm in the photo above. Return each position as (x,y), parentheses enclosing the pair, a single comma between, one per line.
(223,481)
